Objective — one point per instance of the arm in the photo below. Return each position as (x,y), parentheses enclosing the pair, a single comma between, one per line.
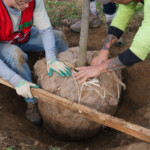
(141,43)
(22,86)
(123,15)
(119,23)
(104,52)
(116,30)
(48,35)
(123,60)
(42,22)
(7,74)
(94,71)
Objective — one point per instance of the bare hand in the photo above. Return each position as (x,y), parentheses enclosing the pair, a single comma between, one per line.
(101,58)
(88,72)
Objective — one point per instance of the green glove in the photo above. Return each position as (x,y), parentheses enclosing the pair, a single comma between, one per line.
(58,67)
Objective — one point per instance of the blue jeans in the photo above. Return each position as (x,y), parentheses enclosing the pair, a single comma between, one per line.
(109,8)
(15,57)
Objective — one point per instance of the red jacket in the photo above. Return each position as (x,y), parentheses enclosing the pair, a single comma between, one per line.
(6,27)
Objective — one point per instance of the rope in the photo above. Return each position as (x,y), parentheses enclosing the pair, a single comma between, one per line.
(62,84)
(76,83)
(95,82)
(118,83)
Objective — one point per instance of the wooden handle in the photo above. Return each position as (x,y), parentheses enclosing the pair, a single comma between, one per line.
(94,115)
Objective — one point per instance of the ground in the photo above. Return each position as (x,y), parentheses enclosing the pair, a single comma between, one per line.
(16,132)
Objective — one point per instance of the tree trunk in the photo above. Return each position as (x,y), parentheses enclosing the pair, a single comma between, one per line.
(84,33)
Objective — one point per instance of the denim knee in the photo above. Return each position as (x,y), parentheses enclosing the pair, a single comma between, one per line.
(12,55)
(18,59)
(61,41)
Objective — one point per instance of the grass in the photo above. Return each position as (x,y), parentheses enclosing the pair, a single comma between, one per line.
(62,12)
(57,148)
(11,148)
(65,12)
(54,148)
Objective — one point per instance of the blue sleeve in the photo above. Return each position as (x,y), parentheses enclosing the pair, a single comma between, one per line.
(49,43)
(7,74)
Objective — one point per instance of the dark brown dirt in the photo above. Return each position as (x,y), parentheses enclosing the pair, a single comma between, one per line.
(17,131)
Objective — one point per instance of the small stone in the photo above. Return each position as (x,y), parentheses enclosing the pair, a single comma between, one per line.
(0,108)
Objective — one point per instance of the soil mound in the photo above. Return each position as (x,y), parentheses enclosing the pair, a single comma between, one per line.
(134,146)
(101,94)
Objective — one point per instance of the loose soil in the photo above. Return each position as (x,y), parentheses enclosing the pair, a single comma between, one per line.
(17,131)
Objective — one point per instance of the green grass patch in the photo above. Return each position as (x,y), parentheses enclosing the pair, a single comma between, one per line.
(62,12)
(54,148)
(11,148)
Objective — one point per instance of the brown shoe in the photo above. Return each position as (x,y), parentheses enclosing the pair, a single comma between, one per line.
(94,22)
(33,114)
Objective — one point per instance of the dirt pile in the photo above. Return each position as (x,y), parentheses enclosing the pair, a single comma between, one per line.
(134,146)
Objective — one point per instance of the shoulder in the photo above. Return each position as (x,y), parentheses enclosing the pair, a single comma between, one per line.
(39,4)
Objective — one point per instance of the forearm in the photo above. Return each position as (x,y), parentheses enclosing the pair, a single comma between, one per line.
(111,65)
(123,60)
(114,64)
(141,43)
(119,23)
(7,74)
(109,42)
(123,15)
(49,43)
(104,52)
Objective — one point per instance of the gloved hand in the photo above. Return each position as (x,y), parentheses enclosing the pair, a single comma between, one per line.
(58,67)
(23,88)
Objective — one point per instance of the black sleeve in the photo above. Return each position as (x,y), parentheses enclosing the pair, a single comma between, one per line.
(128,58)
(115,31)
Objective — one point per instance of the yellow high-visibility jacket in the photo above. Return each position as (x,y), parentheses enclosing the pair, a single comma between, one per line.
(141,42)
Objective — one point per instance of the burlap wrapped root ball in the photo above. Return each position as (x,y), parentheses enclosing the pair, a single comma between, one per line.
(101,94)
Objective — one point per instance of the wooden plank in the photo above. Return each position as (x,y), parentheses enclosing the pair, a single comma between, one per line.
(102,118)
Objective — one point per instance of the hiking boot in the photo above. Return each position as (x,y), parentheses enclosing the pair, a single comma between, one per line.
(94,22)
(33,114)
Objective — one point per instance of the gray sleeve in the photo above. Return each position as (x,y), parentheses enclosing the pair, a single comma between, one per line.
(49,43)
(7,74)
(40,16)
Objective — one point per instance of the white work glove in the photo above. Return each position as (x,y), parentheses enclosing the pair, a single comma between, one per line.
(58,67)
(23,88)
